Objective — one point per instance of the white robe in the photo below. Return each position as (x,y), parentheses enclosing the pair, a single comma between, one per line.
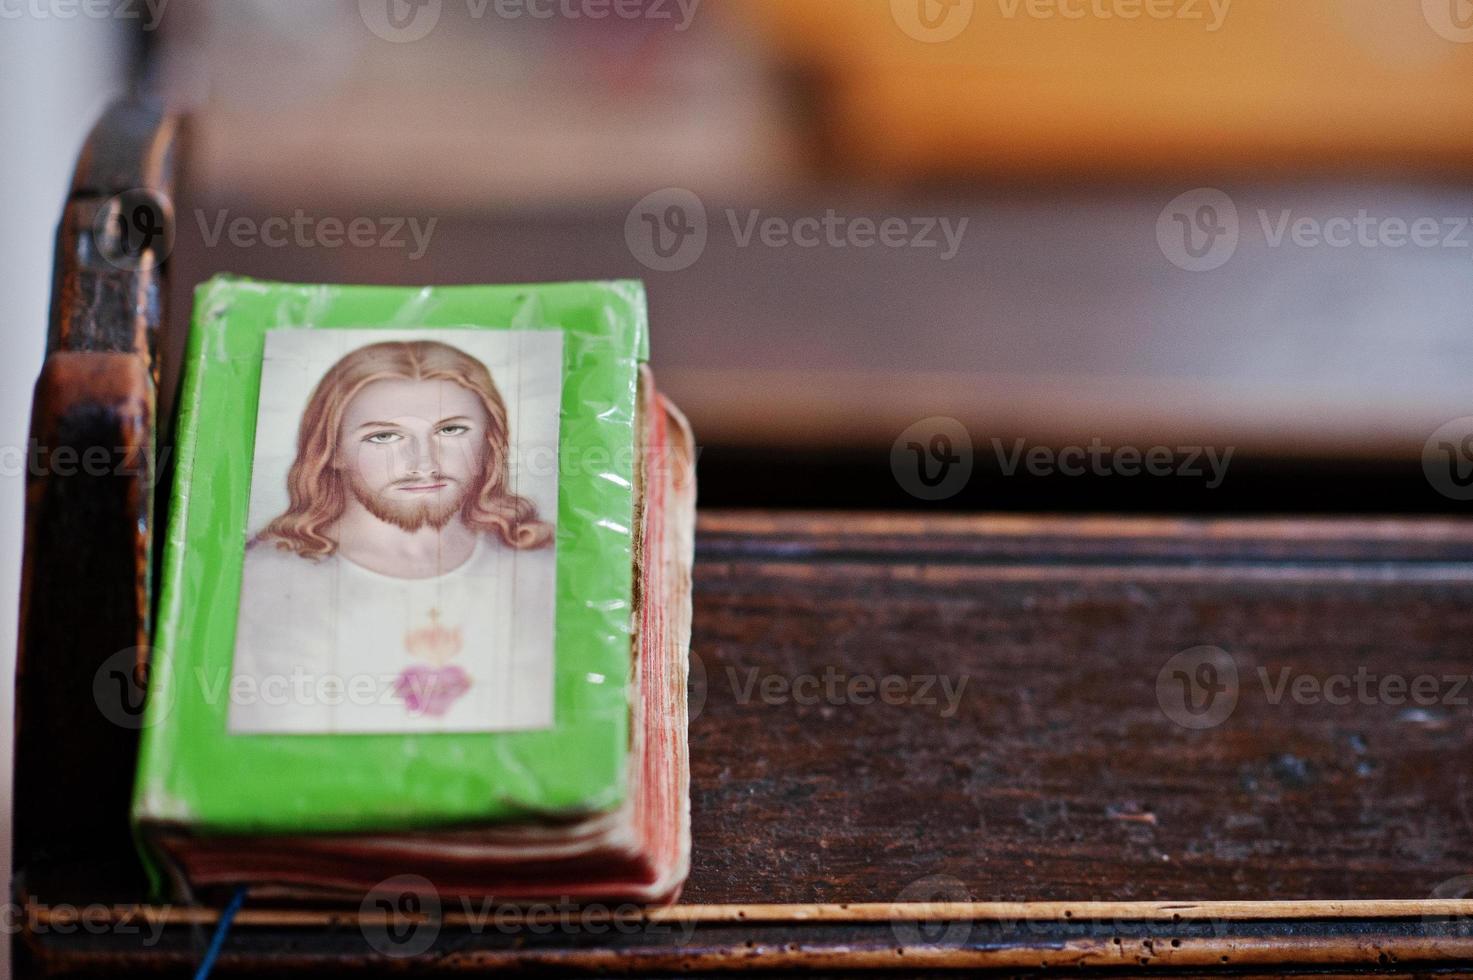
(331,647)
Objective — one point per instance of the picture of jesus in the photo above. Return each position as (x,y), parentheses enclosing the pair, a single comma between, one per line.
(406,584)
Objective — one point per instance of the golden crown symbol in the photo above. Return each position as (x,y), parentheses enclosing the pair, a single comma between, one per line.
(434,643)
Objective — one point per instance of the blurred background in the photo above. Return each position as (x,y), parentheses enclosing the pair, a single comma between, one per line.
(1098,227)
(1036,243)
(1046,171)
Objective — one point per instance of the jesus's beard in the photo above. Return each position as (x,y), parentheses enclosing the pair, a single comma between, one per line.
(411,514)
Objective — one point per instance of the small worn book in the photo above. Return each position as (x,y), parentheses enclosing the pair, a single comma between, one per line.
(426,598)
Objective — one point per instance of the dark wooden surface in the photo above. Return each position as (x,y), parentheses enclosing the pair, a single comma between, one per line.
(1060,777)
(85,586)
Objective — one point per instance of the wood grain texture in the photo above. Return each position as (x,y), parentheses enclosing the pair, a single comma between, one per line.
(1059,779)
(104,296)
(91,472)
(84,608)
(1060,776)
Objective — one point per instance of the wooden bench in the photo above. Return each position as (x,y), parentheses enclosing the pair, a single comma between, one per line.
(918,743)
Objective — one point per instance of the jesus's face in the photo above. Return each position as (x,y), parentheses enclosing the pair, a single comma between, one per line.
(412,450)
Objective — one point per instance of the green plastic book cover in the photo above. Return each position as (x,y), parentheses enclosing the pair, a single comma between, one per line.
(397,578)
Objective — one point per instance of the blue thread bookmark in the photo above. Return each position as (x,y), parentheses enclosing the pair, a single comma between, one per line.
(222,929)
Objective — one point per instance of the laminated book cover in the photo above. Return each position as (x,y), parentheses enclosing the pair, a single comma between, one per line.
(398,575)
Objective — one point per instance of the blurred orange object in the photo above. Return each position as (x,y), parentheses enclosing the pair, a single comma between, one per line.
(1090,87)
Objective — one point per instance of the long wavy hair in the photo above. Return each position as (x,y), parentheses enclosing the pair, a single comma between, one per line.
(318,491)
